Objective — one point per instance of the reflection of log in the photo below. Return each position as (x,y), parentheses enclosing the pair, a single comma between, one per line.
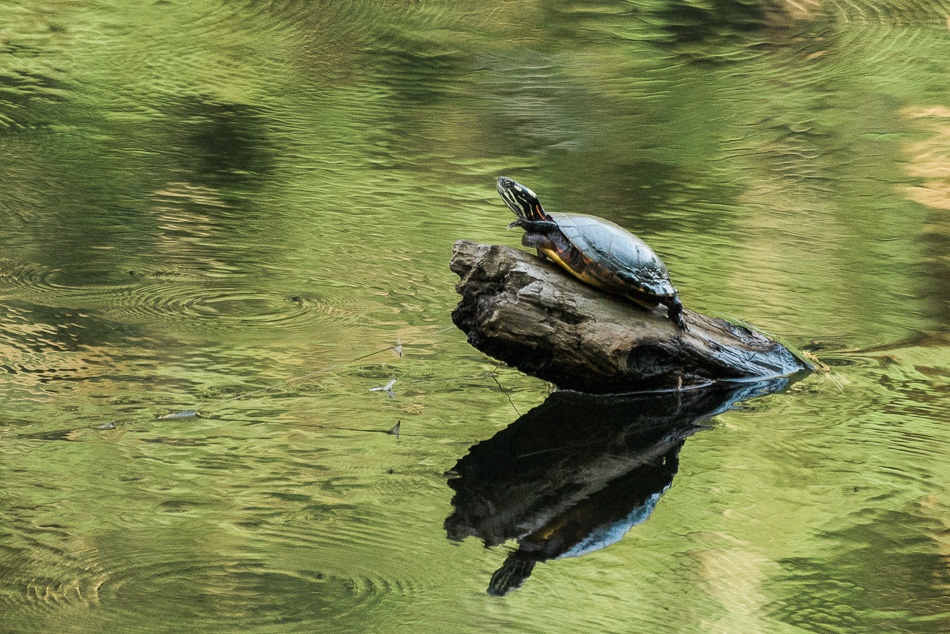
(575,473)
(530,314)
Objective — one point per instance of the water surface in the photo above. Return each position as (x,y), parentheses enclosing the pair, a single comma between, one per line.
(201,200)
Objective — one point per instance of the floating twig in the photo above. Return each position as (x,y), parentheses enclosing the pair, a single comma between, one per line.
(194,413)
(178,415)
(388,388)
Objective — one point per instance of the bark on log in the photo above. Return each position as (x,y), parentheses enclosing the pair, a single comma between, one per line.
(530,314)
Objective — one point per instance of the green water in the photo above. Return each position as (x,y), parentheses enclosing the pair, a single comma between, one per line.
(202,199)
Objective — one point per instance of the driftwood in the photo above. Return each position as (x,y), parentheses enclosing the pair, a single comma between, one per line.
(530,314)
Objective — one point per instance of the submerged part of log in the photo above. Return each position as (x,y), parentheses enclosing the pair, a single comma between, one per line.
(530,314)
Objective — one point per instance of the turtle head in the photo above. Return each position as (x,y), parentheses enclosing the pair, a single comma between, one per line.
(521,200)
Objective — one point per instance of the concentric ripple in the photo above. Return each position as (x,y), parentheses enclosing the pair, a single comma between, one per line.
(46,571)
(134,297)
(35,279)
(211,309)
(239,593)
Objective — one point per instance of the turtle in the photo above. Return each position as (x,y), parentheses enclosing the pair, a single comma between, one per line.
(596,251)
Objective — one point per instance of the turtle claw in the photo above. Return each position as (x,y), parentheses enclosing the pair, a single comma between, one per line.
(674,309)
(515,224)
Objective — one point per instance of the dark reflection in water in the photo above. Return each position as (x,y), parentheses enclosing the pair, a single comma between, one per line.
(574,474)
(222,144)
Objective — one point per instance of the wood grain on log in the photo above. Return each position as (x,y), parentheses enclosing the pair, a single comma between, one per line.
(530,314)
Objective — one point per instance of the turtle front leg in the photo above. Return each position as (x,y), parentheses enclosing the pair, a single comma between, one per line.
(537,234)
(538,241)
(674,309)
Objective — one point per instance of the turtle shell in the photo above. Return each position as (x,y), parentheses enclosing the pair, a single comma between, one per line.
(614,256)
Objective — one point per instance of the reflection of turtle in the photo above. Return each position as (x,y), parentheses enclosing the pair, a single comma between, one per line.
(598,521)
(594,250)
(577,472)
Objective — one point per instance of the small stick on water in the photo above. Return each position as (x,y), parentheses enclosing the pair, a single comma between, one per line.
(503,391)
(388,388)
(398,348)
(177,415)
(194,413)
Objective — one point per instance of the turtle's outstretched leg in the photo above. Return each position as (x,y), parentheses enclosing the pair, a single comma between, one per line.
(674,309)
(537,234)
(538,241)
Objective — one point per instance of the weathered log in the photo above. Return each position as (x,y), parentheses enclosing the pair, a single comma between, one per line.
(530,314)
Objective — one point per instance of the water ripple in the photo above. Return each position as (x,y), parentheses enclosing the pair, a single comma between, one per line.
(135,297)
(51,571)
(218,309)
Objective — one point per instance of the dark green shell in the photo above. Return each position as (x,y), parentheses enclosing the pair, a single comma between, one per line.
(619,258)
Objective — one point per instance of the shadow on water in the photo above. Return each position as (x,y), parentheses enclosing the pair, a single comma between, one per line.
(574,474)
